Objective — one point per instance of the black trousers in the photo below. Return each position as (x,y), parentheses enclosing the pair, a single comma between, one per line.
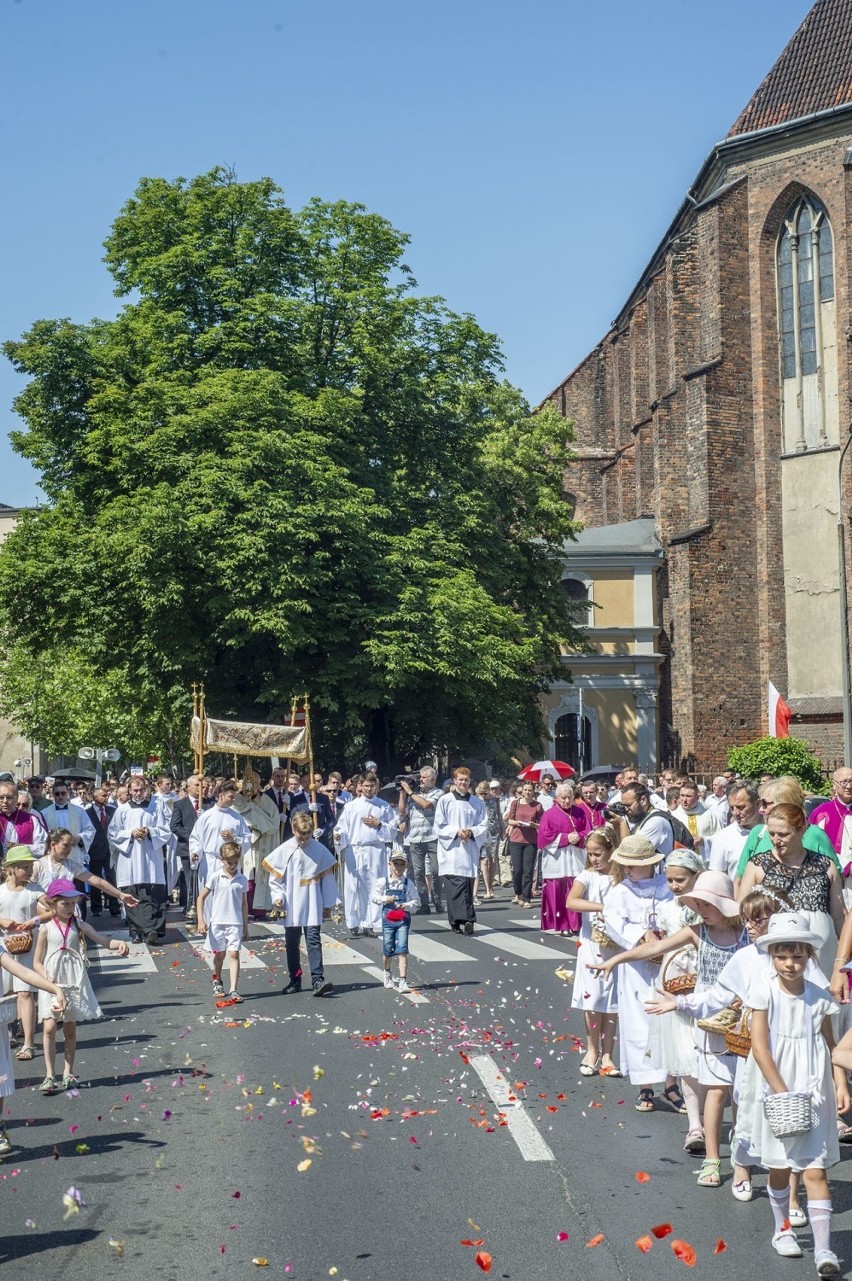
(313,942)
(150,916)
(100,900)
(458,895)
(523,865)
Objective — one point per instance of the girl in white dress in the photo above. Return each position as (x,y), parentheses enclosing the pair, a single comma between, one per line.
(791,1036)
(630,917)
(59,958)
(717,938)
(7,1071)
(18,901)
(593,994)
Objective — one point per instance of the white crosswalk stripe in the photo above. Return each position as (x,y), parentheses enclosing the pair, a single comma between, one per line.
(138,961)
(428,949)
(524,948)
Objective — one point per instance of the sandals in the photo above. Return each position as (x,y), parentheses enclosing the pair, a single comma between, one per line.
(590,1069)
(645,1101)
(610,1070)
(675,1099)
(235,998)
(26,1053)
(695,1142)
(710,1174)
(218,987)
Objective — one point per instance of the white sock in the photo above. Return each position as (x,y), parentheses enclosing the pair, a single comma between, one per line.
(693,1103)
(780,1202)
(819,1213)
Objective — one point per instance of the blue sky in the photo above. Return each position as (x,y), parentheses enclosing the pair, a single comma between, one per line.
(535,151)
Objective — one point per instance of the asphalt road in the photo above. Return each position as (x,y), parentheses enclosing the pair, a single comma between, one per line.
(456,1115)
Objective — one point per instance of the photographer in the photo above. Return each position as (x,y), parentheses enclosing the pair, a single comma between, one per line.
(417,822)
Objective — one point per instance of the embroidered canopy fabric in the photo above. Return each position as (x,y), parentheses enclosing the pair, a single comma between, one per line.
(247,739)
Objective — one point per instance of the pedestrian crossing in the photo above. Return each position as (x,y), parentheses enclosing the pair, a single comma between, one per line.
(513,942)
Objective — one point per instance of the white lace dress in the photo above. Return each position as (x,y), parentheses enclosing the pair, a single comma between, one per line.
(62,969)
(593,991)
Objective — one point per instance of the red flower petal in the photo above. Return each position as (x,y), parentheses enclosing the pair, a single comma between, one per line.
(662,1230)
(721,1246)
(562,1236)
(684,1252)
(642,1177)
(590,1245)
(644,1244)
(483,1260)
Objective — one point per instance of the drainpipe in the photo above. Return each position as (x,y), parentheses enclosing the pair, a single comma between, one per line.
(844,609)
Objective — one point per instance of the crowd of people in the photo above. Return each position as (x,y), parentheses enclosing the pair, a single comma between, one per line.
(711,924)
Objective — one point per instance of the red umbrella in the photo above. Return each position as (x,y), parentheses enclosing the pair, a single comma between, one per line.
(559,769)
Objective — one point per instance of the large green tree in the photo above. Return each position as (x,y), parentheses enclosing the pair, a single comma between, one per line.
(279,469)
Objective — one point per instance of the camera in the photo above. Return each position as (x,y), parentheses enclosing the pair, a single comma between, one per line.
(413,780)
(617,810)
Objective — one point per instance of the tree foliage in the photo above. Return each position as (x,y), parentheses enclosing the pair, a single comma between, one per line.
(777,756)
(278,469)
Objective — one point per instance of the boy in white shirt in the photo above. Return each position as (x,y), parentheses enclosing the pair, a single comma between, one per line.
(397,895)
(226,920)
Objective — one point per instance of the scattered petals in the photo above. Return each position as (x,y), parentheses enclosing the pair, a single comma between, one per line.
(483,1260)
(467,1241)
(684,1251)
(590,1245)
(304,1165)
(642,1177)
(721,1246)
(260,1262)
(662,1230)
(118,1246)
(644,1244)
(562,1236)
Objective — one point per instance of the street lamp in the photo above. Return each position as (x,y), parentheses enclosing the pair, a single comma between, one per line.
(99,755)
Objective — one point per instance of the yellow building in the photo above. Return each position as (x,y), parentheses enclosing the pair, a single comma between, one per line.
(613,688)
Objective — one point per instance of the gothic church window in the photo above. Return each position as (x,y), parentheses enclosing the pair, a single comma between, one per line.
(805,271)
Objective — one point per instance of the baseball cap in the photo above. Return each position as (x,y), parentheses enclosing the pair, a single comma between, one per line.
(62,888)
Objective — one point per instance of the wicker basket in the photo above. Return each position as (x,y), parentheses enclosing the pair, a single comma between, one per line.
(738,1039)
(18,943)
(9,1008)
(788,1114)
(678,976)
(601,939)
(722,1022)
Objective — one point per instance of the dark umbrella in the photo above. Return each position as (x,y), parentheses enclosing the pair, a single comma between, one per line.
(602,772)
(88,775)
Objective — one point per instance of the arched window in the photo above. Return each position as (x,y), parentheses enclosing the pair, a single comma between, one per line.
(806,326)
(578,591)
(566,741)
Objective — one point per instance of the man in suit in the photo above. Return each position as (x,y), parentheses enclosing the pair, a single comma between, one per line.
(184,816)
(100,858)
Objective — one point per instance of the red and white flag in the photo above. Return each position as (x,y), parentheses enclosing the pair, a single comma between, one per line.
(779,714)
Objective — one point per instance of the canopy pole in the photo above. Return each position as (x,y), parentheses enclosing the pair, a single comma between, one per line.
(313,787)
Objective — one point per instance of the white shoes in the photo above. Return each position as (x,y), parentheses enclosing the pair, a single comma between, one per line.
(797,1217)
(827,1263)
(402,985)
(389,979)
(743,1190)
(785,1244)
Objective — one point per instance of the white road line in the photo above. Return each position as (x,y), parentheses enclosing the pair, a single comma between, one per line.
(334,952)
(138,961)
(248,959)
(527,950)
(428,949)
(416,998)
(530,1143)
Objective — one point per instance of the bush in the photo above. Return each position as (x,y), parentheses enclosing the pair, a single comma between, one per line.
(778,756)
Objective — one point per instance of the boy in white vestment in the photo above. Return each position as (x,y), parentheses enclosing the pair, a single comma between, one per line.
(225,897)
(364,832)
(303,887)
(461,825)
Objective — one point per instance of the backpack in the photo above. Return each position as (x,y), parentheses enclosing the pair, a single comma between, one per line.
(681,833)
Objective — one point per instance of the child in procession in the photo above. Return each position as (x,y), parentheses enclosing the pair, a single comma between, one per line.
(19,899)
(303,885)
(59,959)
(398,897)
(594,995)
(792,1040)
(223,913)
(56,997)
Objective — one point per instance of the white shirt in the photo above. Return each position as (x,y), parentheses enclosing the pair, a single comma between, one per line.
(352,830)
(205,839)
(137,861)
(224,903)
(722,850)
(452,815)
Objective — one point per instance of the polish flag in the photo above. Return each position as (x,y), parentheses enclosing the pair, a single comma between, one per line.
(779,714)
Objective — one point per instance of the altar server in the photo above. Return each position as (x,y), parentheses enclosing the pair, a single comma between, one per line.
(137,835)
(461,826)
(303,888)
(364,831)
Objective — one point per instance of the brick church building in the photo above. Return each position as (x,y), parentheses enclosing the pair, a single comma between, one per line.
(717,405)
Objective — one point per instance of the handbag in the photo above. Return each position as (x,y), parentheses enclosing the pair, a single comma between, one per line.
(395,914)
(789,1114)
(18,943)
(679,973)
(738,1039)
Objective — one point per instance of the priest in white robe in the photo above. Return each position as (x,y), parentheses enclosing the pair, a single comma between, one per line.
(163,799)
(461,826)
(222,822)
(303,887)
(261,813)
(363,835)
(136,837)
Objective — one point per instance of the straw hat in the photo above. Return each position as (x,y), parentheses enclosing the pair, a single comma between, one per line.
(788,927)
(715,888)
(636,851)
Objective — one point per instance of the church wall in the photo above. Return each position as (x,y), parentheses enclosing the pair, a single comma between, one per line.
(811,576)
